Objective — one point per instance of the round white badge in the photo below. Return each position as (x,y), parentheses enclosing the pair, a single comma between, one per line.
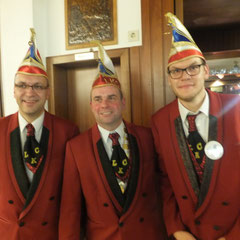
(214,150)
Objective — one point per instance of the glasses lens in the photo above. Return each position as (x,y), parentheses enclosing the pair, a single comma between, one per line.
(177,73)
(193,70)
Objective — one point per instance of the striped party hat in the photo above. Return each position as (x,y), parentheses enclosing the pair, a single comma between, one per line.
(32,63)
(106,75)
(183,45)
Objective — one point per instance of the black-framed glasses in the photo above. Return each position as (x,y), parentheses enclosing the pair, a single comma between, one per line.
(191,71)
(35,87)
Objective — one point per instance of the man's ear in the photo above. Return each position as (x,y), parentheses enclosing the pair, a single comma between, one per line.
(207,71)
(124,102)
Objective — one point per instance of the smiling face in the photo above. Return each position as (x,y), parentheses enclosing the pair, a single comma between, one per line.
(30,101)
(189,89)
(107,106)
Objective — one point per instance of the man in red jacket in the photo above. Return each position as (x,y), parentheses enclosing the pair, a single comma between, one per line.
(198,142)
(32,146)
(109,172)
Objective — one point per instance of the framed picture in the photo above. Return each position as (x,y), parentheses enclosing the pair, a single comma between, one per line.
(90,20)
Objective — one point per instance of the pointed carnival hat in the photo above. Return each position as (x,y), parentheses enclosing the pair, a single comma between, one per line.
(183,45)
(32,63)
(106,75)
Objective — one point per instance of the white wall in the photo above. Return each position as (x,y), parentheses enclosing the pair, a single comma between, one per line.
(128,18)
(47,17)
(15,20)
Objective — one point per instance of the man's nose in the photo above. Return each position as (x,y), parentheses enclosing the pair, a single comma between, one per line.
(104,102)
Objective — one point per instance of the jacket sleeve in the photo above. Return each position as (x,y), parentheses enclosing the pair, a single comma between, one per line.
(171,212)
(71,202)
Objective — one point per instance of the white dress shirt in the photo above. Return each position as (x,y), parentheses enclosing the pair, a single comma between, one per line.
(38,126)
(202,120)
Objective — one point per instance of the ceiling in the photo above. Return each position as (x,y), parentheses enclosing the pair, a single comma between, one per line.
(211,13)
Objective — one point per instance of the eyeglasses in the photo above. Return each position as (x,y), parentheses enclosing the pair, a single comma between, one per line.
(35,87)
(191,71)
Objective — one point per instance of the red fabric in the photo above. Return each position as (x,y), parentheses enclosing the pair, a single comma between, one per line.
(184,54)
(32,70)
(114,137)
(30,130)
(39,219)
(220,209)
(85,184)
(106,80)
(192,124)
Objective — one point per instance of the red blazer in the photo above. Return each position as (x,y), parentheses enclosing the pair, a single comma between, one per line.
(213,210)
(90,187)
(31,212)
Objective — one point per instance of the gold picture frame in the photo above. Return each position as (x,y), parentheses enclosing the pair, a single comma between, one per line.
(86,21)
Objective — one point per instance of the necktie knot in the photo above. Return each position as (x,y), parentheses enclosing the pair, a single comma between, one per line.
(114,137)
(30,130)
(191,121)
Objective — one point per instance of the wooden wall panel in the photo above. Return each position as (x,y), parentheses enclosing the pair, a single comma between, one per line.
(168,6)
(148,63)
(145,65)
(157,59)
(136,87)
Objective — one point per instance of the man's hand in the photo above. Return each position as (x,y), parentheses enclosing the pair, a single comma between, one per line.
(222,238)
(182,235)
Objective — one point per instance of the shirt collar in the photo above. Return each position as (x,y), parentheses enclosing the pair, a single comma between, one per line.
(105,133)
(37,123)
(203,109)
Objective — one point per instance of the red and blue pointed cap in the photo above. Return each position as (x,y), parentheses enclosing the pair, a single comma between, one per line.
(32,63)
(183,45)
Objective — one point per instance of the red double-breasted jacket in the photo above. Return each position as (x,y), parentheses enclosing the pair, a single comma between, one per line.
(90,186)
(212,210)
(31,211)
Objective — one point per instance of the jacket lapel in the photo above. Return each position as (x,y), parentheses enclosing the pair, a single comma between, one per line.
(14,159)
(104,168)
(40,176)
(212,166)
(17,162)
(186,158)
(182,152)
(110,176)
(207,176)
(133,182)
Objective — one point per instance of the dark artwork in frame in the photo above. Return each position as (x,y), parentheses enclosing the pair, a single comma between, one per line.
(86,21)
